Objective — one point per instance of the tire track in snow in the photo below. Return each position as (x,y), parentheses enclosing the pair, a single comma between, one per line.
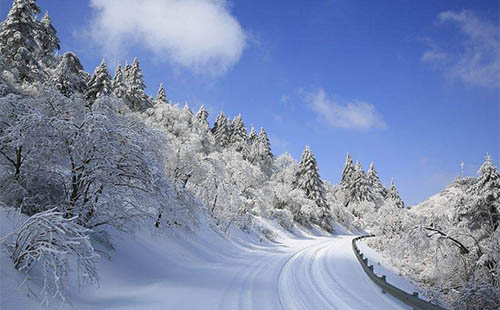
(285,281)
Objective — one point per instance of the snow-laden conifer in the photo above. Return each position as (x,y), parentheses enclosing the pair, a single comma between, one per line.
(118,84)
(202,118)
(359,189)
(252,137)
(307,179)
(393,195)
(347,172)
(483,212)
(99,84)
(69,77)
(18,44)
(265,155)
(374,181)
(48,41)
(161,97)
(222,130)
(137,99)
(239,136)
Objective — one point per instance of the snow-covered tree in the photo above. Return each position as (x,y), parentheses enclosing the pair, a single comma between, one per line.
(393,195)
(48,41)
(374,181)
(99,84)
(358,189)
(126,72)
(239,136)
(202,118)
(264,154)
(347,172)
(69,77)
(118,84)
(53,243)
(222,130)
(484,210)
(137,99)
(161,97)
(18,44)
(307,179)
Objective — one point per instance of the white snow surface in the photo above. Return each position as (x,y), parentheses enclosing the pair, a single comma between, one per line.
(383,266)
(208,270)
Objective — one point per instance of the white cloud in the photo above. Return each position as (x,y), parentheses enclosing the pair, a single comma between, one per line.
(474,59)
(201,35)
(351,115)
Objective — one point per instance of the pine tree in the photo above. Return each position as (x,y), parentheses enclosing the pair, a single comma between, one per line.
(374,181)
(202,117)
(359,189)
(136,97)
(222,130)
(393,195)
(484,210)
(99,84)
(265,155)
(347,172)
(239,136)
(118,85)
(126,72)
(307,179)
(252,137)
(69,76)
(161,97)
(18,44)
(187,111)
(48,41)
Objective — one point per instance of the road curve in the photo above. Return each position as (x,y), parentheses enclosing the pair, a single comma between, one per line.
(319,273)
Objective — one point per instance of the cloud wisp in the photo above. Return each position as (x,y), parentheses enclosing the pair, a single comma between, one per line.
(354,114)
(476,59)
(200,35)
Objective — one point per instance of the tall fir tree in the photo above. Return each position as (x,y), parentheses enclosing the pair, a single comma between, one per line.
(393,195)
(202,117)
(265,155)
(239,136)
(48,41)
(99,84)
(484,210)
(307,179)
(252,137)
(126,72)
(222,130)
(378,189)
(161,97)
(347,172)
(118,84)
(359,189)
(18,44)
(137,99)
(69,77)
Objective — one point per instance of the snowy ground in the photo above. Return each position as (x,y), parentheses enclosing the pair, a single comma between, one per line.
(382,266)
(209,271)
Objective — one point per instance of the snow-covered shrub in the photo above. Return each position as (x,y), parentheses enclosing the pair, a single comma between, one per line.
(283,217)
(50,242)
(477,296)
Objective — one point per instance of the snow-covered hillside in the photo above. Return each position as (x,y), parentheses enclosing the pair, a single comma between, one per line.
(442,204)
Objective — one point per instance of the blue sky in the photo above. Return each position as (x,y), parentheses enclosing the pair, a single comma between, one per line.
(410,85)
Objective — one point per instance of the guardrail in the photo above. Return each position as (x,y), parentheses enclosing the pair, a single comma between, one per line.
(410,300)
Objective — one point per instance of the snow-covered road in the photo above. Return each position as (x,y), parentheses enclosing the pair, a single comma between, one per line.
(319,273)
